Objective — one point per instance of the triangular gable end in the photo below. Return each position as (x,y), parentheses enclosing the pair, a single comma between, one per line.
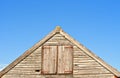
(54,32)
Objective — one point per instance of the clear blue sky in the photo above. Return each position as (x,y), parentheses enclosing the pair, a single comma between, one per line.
(94,23)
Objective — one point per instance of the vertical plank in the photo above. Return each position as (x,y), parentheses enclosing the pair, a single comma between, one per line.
(49,59)
(60,59)
(45,59)
(68,50)
(65,59)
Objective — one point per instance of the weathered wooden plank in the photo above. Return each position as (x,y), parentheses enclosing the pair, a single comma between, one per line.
(87,68)
(94,71)
(28,65)
(82,59)
(80,56)
(57,38)
(94,76)
(57,43)
(87,64)
(78,53)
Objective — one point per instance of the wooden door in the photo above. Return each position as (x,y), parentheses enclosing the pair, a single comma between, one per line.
(49,59)
(65,59)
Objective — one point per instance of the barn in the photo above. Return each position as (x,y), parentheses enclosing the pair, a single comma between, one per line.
(58,55)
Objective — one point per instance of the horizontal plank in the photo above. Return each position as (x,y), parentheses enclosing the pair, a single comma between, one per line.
(78,53)
(94,71)
(84,61)
(94,76)
(80,56)
(88,68)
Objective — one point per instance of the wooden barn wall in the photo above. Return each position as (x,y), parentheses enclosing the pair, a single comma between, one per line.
(83,65)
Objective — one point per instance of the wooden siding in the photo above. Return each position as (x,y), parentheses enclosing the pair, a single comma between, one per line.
(27,67)
(84,66)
